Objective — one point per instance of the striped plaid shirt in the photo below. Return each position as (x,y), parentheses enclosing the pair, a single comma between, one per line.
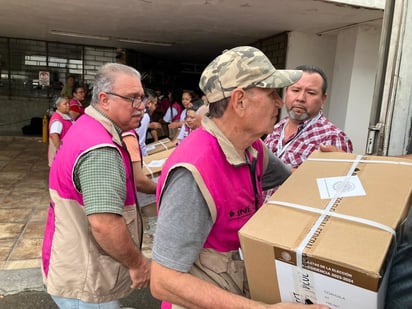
(311,133)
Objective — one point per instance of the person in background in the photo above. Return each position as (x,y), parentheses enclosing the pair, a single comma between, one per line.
(200,113)
(173,111)
(188,96)
(196,262)
(188,126)
(141,130)
(163,102)
(91,253)
(76,103)
(141,181)
(67,90)
(192,120)
(60,122)
(155,116)
(305,128)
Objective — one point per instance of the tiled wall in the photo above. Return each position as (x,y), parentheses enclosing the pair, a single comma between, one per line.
(275,49)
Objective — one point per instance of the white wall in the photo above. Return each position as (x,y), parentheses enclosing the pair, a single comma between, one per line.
(313,49)
(353,82)
(349,59)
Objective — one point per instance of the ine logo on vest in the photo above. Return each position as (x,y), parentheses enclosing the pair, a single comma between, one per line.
(239,213)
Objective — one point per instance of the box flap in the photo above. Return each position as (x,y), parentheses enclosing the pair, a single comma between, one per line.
(153,164)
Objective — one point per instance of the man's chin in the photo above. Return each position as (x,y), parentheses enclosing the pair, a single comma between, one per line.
(298,116)
(133,124)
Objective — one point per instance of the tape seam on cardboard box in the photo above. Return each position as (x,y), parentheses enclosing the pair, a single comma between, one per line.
(336,215)
(300,272)
(163,144)
(149,170)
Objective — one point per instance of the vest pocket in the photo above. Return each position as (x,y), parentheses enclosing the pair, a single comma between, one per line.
(107,275)
(133,223)
(222,269)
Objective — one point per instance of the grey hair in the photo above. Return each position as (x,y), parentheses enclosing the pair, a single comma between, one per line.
(106,77)
(59,100)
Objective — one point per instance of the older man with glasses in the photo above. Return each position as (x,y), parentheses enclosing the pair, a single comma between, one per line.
(91,249)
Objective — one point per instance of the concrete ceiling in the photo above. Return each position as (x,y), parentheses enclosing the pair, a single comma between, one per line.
(198,30)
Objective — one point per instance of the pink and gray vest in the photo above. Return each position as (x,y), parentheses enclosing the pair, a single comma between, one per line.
(66,122)
(73,264)
(235,195)
(57,116)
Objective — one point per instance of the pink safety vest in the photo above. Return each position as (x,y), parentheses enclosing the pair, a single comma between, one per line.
(231,187)
(86,134)
(66,123)
(57,116)
(179,111)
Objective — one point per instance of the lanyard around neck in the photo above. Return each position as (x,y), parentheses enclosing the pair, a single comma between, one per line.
(281,149)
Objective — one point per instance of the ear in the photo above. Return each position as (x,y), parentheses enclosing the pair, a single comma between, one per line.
(324,98)
(237,99)
(103,100)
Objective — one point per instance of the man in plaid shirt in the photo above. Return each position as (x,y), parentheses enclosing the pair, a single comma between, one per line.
(305,129)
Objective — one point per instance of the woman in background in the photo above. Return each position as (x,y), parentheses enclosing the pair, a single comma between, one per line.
(76,103)
(60,123)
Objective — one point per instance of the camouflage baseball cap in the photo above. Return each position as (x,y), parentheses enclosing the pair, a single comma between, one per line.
(242,67)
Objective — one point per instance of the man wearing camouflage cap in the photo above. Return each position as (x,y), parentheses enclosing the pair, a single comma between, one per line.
(212,183)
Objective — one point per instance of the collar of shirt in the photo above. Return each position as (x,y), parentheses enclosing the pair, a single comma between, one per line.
(108,124)
(64,116)
(227,147)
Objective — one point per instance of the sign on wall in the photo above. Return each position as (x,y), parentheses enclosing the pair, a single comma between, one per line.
(44,78)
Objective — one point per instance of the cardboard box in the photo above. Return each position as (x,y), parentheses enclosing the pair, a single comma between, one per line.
(161,145)
(342,263)
(152,166)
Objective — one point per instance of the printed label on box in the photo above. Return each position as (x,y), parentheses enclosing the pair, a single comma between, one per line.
(340,187)
(307,287)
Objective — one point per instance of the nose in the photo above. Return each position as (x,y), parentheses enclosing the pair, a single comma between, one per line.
(300,96)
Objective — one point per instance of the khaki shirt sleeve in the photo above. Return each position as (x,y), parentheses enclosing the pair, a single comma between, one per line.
(132,147)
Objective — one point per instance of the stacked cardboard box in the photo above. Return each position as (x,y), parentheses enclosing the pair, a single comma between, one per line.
(327,234)
(161,145)
(152,166)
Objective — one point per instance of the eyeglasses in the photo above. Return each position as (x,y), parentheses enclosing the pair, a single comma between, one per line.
(136,101)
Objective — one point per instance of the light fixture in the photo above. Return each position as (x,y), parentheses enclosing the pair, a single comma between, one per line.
(156,43)
(80,35)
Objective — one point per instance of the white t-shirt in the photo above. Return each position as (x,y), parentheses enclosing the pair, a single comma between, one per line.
(168,115)
(57,125)
(183,115)
(142,131)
